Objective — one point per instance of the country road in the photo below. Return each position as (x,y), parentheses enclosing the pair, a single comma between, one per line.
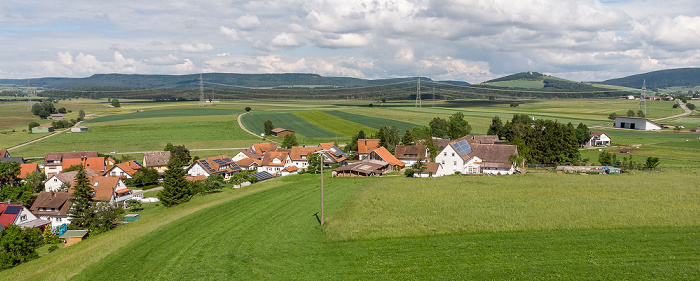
(685,108)
(44,137)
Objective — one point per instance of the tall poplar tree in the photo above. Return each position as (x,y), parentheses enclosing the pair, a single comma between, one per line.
(176,189)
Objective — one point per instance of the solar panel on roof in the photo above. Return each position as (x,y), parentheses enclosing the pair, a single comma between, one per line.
(13,209)
(462,147)
(262,176)
(219,161)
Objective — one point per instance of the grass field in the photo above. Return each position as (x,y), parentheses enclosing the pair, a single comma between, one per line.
(175,112)
(254,122)
(374,122)
(150,134)
(273,234)
(334,124)
(527,84)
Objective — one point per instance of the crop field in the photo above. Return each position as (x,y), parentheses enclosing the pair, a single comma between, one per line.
(150,134)
(271,233)
(334,124)
(374,122)
(176,112)
(254,122)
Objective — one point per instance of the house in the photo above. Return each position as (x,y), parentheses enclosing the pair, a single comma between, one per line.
(124,170)
(365,168)
(333,154)
(365,146)
(78,129)
(598,138)
(441,143)
(636,123)
(96,164)
(247,153)
(53,207)
(56,116)
(157,160)
(430,170)
(248,164)
(383,154)
(4,153)
(42,129)
(53,161)
(19,215)
(289,170)
(71,237)
(217,165)
(262,148)
(56,181)
(26,169)
(299,155)
(108,189)
(274,162)
(19,160)
(489,139)
(280,132)
(465,158)
(410,154)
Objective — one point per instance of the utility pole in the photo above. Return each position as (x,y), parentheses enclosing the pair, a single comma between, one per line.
(201,91)
(322,219)
(418,101)
(643,99)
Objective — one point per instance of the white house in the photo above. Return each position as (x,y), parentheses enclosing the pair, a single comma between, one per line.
(274,162)
(55,182)
(465,158)
(299,155)
(19,215)
(636,123)
(217,165)
(53,207)
(597,139)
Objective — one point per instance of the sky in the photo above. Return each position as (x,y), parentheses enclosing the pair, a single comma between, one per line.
(464,40)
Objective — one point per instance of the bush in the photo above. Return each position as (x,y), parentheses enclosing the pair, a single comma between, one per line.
(53,248)
(690,106)
(409,173)
(675,105)
(134,205)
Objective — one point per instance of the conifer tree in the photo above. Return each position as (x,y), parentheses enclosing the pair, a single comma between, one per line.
(81,210)
(176,189)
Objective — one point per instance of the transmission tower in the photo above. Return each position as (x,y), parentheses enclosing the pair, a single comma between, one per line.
(418,101)
(643,99)
(201,91)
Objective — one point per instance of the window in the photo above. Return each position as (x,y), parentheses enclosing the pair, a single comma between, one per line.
(453,154)
(55,180)
(444,153)
(23,218)
(454,163)
(443,162)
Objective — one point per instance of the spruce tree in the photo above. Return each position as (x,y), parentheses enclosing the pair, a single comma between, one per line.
(81,210)
(176,189)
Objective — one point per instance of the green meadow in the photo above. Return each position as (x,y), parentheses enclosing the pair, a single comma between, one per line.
(398,228)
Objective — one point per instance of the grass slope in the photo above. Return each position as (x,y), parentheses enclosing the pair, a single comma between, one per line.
(254,122)
(272,234)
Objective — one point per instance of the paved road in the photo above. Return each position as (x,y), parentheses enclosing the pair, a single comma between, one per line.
(44,137)
(685,108)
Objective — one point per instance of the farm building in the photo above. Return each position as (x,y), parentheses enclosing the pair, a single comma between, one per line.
(383,154)
(410,154)
(56,116)
(79,129)
(42,129)
(598,138)
(364,168)
(636,123)
(429,169)
(280,132)
(365,146)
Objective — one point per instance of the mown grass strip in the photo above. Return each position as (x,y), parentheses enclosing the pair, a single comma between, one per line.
(334,124)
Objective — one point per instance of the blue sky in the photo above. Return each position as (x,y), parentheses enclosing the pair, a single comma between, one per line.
(467,40)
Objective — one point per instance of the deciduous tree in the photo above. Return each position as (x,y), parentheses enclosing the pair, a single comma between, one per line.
(268,127)
(289,140)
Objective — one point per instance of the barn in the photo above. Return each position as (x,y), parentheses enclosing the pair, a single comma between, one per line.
(636,123)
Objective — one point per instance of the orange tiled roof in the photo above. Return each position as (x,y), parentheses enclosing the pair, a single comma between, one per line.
(388,157)
(104,187)
(298,151)
(272,155)
(262,148)
(365,146)
(129,167)
(26,169)
(93,163)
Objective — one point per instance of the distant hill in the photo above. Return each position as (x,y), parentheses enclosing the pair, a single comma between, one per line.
(142,81)
(451,82)
(681,77)
(540,81)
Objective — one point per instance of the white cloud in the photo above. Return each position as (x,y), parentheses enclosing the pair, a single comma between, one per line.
(231,33)
(186,67)
(285,40)
(196,47)
(247,22)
